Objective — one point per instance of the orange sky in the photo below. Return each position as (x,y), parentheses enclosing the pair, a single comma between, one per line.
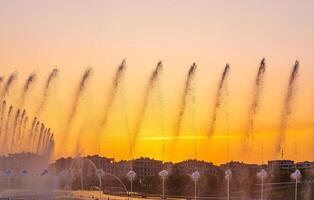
(72,35)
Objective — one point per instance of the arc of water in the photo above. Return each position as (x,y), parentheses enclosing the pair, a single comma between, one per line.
(186,93)
(162,133)
(23,131)
(8,85)
(75,102)
(3,109)
(113,93)
(225,85)
(151,84)
(287,108)
(257,91)
(15,124)
(118,179)
(53,74)
(7,129)
(42,129)
(28,83)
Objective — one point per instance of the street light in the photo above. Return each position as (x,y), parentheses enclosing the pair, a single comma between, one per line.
(131,176)
(99,174)
(195,176)
(163,174)
(262,175)
(296,175)
(228,174)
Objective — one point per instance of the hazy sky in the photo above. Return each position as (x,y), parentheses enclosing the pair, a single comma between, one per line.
(38,35)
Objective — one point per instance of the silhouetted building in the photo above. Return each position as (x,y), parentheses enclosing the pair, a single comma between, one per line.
(121,168)
(236,165)
(190,166)
(145,167)
(281,165)
(241,170)
(107,164)
(62,164)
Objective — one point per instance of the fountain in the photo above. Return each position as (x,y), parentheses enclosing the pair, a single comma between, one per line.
(53,74)
(8,85)
(82,169)
(26,182)
(131,175)
(163,174)
(186,93)
(22,132)
(195,176)
(287,106)
(228,174)
(100,173)
(296,176)
(39,140)
(151,85)
(75,101)
(218,98)
(29,82)
(256,96)
(262,175)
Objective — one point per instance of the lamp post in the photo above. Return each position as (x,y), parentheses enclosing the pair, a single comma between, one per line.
(262,175)
(131,176)
(163,174)
(195,176)
(296,175)
(100,173)
(228,174)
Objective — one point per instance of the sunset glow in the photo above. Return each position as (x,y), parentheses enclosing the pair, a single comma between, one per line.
(141,113)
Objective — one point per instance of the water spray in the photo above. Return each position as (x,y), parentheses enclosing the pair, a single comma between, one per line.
(19,127)
(224,85)
(42,129)
(23,132)
(228,174)
(296,175)
(112,96)
(7,128)
(218,97)
(1,79)
(73,109)
(254,105)
(31,132)
(35,133)
(163,173)
(113,92)
(26,87)
(54,73)
(8,85)
(3,109)
(15,123)
(147,93)
(131,175)
(186,93)
(262,175)
(287,107)
(100,173)
(195,177)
